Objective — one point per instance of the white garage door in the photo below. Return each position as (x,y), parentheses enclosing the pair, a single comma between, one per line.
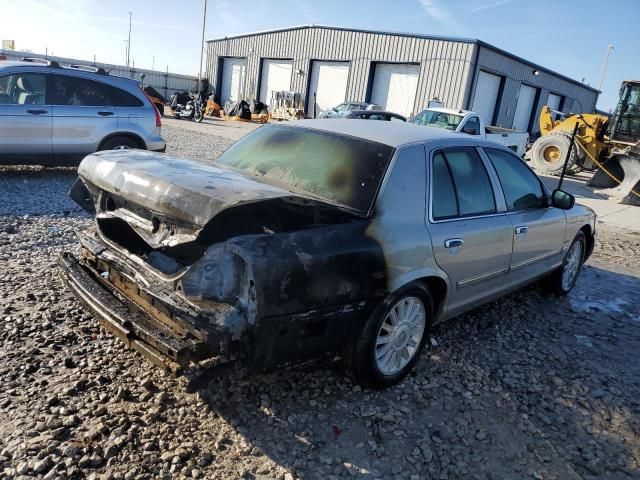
(276,76)
(394,87)
(524,107)
(485,98)
(234,71)
(329,84)
(553,102)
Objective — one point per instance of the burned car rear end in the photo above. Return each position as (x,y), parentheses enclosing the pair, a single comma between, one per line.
(264,253)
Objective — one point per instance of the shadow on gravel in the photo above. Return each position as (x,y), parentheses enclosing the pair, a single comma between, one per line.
(530,384)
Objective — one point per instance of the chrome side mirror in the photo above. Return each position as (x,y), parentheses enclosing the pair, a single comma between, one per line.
(562,199)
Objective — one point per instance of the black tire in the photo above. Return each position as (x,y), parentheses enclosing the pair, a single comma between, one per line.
(550,151)
(555,282)
(118,143)
(359,351)
(198,115)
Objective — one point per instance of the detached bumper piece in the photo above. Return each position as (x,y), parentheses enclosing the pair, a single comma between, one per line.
(162,345)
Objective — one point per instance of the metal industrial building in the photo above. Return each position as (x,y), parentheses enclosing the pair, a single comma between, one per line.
(400,71)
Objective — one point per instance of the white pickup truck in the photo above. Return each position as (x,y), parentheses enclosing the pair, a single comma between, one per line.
(471,123)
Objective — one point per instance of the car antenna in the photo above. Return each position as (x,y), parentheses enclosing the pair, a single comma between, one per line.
(566,159)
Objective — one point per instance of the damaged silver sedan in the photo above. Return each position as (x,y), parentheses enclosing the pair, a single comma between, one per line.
(315,237)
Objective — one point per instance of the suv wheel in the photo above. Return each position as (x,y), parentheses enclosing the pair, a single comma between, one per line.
(383,350)
(119,143)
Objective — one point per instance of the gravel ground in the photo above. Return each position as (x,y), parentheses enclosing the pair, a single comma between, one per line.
(530,386)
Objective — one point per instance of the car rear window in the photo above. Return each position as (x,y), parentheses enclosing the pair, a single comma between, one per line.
(340,168)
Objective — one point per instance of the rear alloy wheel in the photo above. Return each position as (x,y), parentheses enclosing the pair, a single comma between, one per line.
(386,346)
(119,143)
(400,335)
(565,277)
(550,151)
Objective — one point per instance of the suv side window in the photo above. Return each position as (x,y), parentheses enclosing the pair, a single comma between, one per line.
(521,187)
(120,98)
(460,185)
(22,89)
(69,90)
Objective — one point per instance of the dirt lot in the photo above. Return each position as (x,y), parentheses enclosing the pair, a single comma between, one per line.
(530,386)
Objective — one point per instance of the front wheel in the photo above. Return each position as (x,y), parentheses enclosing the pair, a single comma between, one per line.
(549,153)
(565,277)
(383,350)
(198,115)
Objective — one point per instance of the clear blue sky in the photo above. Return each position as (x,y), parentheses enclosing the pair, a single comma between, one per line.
(568,36)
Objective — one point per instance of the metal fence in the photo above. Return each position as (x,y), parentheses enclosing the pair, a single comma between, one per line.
(165,82)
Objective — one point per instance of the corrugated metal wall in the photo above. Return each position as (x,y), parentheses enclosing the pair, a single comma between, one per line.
(164,82)
(577,99)
(444,73)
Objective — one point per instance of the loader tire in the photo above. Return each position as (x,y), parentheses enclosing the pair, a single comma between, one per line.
(550,151)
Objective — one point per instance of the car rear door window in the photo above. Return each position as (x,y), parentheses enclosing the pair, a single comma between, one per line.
(522,189)
(22,89)
(76,91)
(460,185)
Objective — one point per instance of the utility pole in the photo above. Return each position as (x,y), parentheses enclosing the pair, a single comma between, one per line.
(153,62)
(126,52)
(204,21)
(604,65)
(129,41)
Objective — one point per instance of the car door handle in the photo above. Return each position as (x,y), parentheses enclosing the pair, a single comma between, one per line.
(453,242)
(105,114)
(521,229)
(36,112)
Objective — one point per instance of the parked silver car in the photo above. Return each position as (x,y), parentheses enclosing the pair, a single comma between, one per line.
(318,236)
(53,115)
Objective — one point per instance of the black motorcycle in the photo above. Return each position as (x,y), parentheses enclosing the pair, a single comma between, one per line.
(188,106)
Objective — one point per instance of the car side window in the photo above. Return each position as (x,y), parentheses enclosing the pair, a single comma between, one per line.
(396,119)
(22,89)
(472,127)
(68,90)
(120,98)
(460,185)
(522,188)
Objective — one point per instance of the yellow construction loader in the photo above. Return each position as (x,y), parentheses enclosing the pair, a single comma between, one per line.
(608,145)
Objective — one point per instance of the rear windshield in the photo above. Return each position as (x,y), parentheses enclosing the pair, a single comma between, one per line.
(338,168)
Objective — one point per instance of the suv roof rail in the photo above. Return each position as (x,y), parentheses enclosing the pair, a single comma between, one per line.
(89,68)
(45,61)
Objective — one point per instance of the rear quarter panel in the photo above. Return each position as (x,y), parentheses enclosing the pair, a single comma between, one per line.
(399,225)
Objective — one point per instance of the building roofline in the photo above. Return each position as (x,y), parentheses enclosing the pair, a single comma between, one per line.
(414,35)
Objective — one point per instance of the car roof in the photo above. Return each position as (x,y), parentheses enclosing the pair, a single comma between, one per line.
(64,69)
(393,134)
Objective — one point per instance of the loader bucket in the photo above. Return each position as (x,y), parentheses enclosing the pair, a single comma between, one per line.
(627,170)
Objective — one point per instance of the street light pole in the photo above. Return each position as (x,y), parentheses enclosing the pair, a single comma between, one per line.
(129,41)
(204,21)
(604,66)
